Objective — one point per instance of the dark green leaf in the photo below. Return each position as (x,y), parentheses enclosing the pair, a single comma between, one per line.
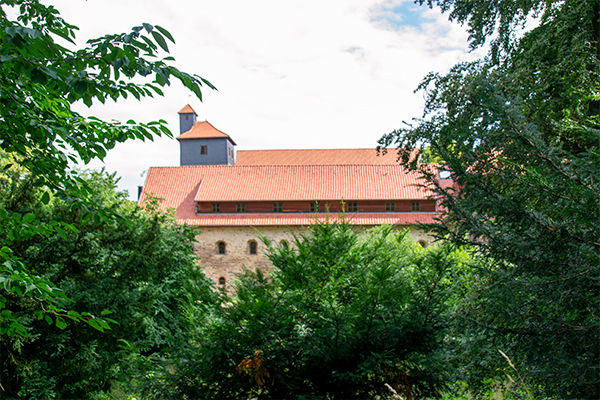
(160,40)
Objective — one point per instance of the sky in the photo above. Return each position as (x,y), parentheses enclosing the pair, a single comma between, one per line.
(293,74)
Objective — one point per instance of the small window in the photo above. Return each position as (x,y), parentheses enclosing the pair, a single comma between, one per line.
(416,206)
(241,207)
(390,206)
(252,247)
(221,248)
(277,207)
(314,207)
(445,174)
(222,281)
(203,149)
(216,207)
(352,207)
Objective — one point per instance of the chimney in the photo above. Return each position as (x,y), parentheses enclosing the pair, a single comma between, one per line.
(187,119)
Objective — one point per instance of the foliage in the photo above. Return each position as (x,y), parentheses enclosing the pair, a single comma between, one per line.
(40,79)
(341,315)
(520,134)
(143,272)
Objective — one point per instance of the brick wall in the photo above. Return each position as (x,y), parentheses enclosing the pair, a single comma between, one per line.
(237,250)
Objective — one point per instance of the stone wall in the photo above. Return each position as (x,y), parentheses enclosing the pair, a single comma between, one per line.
(237,248)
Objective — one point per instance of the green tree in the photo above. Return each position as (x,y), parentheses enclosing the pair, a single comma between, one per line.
(341,315)
(141,271)
(39,81)
(520,133)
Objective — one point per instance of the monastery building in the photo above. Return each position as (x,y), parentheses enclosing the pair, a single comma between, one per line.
(234,197)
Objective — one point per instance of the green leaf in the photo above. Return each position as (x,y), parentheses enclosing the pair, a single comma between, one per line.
(165,32)
(45,198)
(80,87)
(60,323)
(94,324)
(148,27)
(48,319)
(160,40)
(106,312)
(61,232)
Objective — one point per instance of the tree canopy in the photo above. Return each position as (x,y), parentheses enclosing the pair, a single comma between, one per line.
(140,273)
(519,132)
(341,315)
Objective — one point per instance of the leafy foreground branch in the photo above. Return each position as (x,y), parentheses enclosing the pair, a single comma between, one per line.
(42,136)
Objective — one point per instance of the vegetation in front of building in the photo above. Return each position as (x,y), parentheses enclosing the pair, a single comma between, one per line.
(100,299)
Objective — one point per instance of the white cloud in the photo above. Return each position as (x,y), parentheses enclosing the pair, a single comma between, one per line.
(293,74)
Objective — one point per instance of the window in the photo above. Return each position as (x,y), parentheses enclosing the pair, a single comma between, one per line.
(241,207)
(390,206)
(314,207)
(221,248)
(222,280)
(203,149)
(352,207)
(445,174)
(416,206)
(252,247)
(216,207)
(277,207)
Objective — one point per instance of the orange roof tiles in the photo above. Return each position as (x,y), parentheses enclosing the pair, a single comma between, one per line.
(204,130)
(315,157)
(308,182)
(186,110)
(182,186)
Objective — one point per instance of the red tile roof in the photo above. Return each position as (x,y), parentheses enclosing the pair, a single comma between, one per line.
(182,186)
(315,157)
(204,130)
(186,110)
(308,182)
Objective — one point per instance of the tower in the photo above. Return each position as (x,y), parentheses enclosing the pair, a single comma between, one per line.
(201,143)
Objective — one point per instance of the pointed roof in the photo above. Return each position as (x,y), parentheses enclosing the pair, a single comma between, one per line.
(204,130)
(187,110)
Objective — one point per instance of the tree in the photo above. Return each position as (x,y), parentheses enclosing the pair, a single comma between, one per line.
(39,81)
(341,315)
(519,132)
(143,273)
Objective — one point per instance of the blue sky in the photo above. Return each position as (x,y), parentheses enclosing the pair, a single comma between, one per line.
(294,74)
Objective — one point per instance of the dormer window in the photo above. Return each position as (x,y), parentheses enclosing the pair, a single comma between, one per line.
(445,174)
(390,206)
(352,207)
(314,207)
(277,207)
(203,149)
(216,207)
(416,206)
(241,207)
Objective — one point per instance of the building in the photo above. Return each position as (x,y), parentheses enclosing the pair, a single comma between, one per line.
(277,192)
